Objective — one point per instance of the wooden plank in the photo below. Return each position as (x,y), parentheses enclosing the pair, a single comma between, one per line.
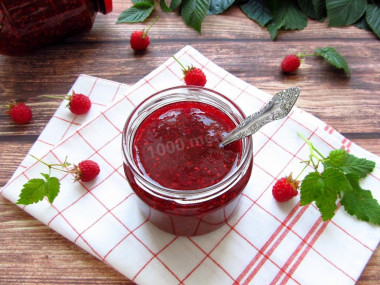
(34,254)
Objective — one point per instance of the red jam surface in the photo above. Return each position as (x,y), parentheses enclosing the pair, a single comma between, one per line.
(29,24)
(178,147)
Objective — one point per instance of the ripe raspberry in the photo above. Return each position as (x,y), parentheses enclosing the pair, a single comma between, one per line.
(285,189)
(140,40)
(79,104)
(86,170)
(290,63)
(193,75)
(19,113)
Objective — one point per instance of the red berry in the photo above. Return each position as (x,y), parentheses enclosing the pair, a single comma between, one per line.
(290,63)
(87,170)
(195,76)
(192,75)
(285,189)
(79,104)
(19,113)
(139,40)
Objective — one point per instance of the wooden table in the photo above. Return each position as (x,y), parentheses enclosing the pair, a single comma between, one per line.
(32,253)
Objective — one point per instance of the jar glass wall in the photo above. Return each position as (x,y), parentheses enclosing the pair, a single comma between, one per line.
(26,25)
(197,203)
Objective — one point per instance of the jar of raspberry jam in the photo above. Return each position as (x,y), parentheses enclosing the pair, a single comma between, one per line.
(186,183)
(26,25)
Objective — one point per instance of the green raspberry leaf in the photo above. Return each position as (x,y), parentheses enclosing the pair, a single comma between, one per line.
(349,163)
(326,203)
(337,157)
(165,6)
(336,180)
(137,13)
(286,16)
(324,190)
(311,188)
(362,24)
(257,11)
(333,57)
(360,203)
(33,191)
(52,188)
(358,166)
(36,189)
(193,12)
(219,6)
(344,12)
(373,18)
(175,4)
(315,9)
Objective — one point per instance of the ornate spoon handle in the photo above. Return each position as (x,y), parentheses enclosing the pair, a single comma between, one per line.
(277,108)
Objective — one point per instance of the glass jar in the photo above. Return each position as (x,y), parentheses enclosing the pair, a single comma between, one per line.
(26,25)
(185,212)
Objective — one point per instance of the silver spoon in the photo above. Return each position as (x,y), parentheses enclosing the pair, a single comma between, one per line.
(277,108)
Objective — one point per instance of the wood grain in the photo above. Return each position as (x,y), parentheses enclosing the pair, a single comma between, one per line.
(32,253)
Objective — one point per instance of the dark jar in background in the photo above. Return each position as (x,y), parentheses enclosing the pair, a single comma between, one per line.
(27,25)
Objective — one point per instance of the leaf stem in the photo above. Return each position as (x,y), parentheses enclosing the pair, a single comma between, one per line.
(66,97)
(54,165)
(184,68)
(318,156)
(299,174)
(301,55)
(145,32)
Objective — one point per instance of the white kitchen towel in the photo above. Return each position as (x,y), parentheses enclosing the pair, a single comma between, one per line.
(265,242)
(63,123)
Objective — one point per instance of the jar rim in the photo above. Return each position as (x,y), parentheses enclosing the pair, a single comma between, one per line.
(186,195)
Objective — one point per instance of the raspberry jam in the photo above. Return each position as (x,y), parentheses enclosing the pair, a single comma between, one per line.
(187,184)
(26,25)
(178,146)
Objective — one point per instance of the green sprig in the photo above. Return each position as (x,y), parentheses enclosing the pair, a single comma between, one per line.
(275,15)
(36,189)
(335,179)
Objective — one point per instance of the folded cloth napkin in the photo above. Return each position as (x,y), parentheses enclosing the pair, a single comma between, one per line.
(265,242)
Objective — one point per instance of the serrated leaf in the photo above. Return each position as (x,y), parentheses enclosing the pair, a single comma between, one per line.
(360,202)
(373,18)
(311,188)
(337,157)
(52,188)
(335,180)
(358,166)
(219,6)
(348,163)
(286,16)
(315,9)
(193,12)
(174,4)
(326,203)
(324,189)
(137,13)
(257,11)
(344,12)
(334,58)
(33,191)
